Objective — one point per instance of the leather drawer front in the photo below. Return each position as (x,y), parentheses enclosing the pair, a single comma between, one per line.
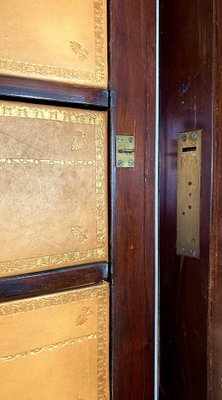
(56,347)
(55,40)
(53,200)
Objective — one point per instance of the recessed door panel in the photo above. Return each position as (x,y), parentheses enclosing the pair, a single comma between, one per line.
(55,347)
(53,200)
(63,40)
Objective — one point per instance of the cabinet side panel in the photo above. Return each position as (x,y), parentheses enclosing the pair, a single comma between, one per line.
(185,104)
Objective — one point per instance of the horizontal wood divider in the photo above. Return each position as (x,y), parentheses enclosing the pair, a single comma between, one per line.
(24,286)
(35,90)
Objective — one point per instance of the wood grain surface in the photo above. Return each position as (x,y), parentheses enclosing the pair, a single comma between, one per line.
(215,292)
(40,283)
(186,48)
(132,72)
(35,91)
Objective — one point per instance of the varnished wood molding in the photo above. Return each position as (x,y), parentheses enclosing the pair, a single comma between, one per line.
(24,286)
(20,88)
(215,277)
(132,83)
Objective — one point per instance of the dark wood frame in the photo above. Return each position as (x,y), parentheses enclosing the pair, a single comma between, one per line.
(42,91)
(132,74)
(20,286)
(131,101)
(215,287)
(191,290)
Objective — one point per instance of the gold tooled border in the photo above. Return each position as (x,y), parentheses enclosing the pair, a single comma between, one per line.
(46,348)
(67,73)
(99,292)
(56,260)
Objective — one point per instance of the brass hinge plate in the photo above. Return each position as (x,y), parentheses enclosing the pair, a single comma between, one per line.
(125,151)
(188,193)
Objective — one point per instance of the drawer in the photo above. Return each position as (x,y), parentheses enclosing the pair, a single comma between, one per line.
(53,200)
(62,41)
(55,347)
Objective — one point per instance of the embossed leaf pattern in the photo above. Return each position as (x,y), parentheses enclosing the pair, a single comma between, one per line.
(78,255)
(77,48)
(80,233)
(83,318)
(79,140)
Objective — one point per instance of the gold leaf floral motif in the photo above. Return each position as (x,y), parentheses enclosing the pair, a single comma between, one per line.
(46,348)
(80,255)
(80,233)
(68,73)
(99,295)
(83,318)
(79,140)
(77,48)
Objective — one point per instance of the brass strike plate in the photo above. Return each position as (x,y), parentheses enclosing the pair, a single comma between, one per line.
(125,151)
(188,193)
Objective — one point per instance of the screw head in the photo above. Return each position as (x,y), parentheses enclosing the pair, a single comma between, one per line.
(120,163)
(184,137)
(130,163)
(194,135)
(130,139)
(119,139)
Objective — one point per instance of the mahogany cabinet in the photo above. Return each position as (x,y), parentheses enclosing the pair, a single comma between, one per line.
(66,85)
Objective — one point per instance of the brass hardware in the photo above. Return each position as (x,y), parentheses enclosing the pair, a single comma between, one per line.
(125,151)
(188,193)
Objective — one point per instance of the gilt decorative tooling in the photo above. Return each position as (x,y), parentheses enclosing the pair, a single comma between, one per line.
(55,347)
(53,199)
(55,40)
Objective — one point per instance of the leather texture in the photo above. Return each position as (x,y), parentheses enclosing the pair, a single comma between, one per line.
(55,40)
(53,199)
(56,347)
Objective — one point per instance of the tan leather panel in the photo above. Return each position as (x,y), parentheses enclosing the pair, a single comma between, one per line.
(53,199)
(59,40)
(56,347)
